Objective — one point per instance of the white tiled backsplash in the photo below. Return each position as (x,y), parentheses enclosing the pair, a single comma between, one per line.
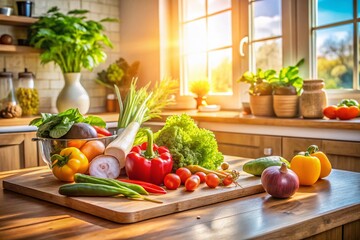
(49,79)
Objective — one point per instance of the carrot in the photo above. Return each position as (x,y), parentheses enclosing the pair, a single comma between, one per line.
(123,143)
(196,168)
(222,174)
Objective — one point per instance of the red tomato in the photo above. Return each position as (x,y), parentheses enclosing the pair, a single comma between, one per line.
(102,131)
(228,180)
(183,173)
(212,180)
(192,183)
(330,112)
(202,176)
(172,181)
(347,113)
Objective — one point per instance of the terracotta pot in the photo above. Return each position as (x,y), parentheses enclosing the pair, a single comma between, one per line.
(286,106)
(200,101)
(73,95)
(262,105)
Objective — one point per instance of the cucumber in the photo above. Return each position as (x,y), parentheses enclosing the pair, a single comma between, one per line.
(257,166)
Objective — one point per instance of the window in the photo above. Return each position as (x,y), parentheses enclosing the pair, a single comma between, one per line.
(265,35)
(206,44)
(336,41)
(278,33)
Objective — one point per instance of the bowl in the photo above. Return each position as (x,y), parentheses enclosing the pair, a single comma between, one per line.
(51,146)
(6,11)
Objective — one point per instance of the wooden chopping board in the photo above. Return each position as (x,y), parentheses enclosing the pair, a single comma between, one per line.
(43,185)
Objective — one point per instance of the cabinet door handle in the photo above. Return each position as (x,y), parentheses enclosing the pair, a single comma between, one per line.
(267,151)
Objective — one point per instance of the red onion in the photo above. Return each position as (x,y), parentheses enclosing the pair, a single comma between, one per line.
(280,182)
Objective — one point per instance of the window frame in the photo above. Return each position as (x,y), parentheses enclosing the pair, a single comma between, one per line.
(297,43)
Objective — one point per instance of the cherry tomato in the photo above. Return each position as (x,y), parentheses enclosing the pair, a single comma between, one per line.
(172,181)
(212,180)
(330,112)
(192,183)
(183,173)
(202,176)
(228,180)
(225,165)
(347,113)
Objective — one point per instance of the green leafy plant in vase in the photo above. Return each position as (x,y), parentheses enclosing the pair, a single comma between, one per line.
(260,91)
(73,43)
(200,88)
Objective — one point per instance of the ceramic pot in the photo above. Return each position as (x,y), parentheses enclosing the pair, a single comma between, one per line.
(286,106)
(313,99)
(262,105)
(73,95)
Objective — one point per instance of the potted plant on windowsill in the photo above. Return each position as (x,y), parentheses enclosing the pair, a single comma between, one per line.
(260,90)
(200,88)
(73,43)
(286,91)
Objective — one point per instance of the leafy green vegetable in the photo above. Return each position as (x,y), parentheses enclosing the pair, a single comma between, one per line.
(189,144)
(57,125)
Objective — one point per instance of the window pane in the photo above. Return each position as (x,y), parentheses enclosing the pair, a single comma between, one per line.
(194,69)
(330,11)
(193,9)
(195,36)
(334,53)
(268,54)
(220,71)
(267,18)
(218,5)
(219,30)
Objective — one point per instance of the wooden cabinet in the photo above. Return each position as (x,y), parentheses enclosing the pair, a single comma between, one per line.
(343,155)
(18,151)
(248,145)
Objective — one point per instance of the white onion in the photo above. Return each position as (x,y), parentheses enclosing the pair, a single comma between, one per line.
(280,182)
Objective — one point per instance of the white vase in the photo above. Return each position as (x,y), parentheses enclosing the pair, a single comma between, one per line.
(73,95)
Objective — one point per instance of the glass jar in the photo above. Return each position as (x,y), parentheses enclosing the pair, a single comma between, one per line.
(7,95)
(8,105)
(26,94)
(313,99)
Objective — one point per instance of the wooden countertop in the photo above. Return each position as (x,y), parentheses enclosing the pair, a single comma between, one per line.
(225,117)
(328,204)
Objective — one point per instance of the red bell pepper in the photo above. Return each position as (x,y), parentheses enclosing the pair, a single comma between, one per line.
(148,162)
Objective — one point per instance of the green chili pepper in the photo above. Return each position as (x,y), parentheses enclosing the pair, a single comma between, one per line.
(100,190)
(89,190)
(83,178)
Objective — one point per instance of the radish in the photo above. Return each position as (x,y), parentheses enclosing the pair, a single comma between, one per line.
(121,146)
(104,166)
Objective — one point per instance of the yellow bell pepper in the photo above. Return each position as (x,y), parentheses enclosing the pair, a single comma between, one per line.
(307,168)
(70,161)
